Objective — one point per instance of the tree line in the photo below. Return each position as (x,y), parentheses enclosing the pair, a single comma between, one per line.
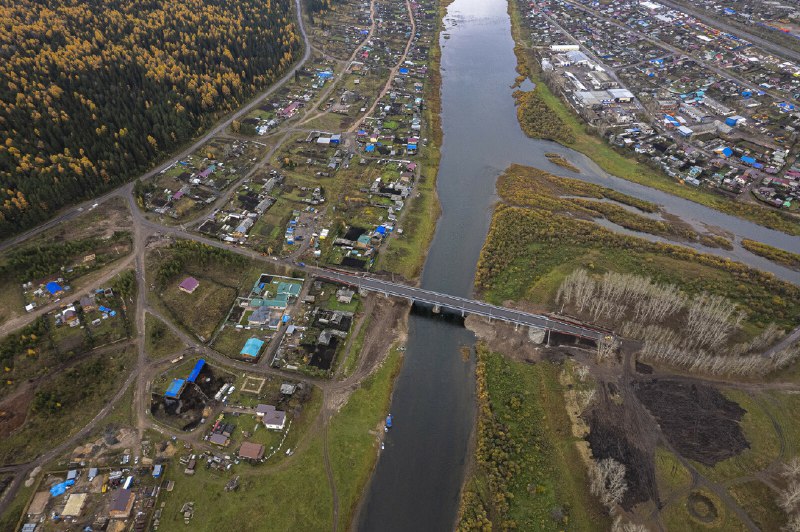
(183,252)
(93,92)
(32,263)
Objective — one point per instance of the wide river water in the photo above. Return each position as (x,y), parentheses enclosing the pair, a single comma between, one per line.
(418,477)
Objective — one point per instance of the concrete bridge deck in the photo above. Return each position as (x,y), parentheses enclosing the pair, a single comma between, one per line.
(463,305)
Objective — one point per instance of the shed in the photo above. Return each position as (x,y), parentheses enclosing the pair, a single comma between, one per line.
(175,389)
(189,285)
(74,505)
(218,439)
(198,367)
(621,95)
(54,288)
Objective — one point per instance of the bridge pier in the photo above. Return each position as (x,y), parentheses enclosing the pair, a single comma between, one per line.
(437,309)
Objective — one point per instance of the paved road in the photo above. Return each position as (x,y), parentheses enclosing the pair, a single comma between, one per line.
(711,20)
(459,304)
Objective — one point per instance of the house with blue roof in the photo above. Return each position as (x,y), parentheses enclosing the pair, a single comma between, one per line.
(252,348)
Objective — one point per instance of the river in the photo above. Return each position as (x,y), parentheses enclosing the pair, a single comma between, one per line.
(417,480)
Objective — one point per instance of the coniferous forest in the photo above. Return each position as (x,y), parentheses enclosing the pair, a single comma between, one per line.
(91,91)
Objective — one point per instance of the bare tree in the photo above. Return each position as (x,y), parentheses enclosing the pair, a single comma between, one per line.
(791,469)
(584,398)
(626,526)
(606,347)
(710,319)
(577,288)
(793,525)
(581,372)
(607,482)
(790,497)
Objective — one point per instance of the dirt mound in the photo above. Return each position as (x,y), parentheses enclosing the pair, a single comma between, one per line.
(698,421)
(14,410)
(702,508)
(609,439)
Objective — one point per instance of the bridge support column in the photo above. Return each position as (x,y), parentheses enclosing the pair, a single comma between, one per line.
(516,326)
(463,313)
(437,309)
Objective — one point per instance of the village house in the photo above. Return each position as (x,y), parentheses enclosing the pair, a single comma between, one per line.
(251,451)
(121,504)
(272,418)
(344,295)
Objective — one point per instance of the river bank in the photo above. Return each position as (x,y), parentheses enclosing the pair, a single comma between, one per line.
(529,473)
(537,239)
(570,132)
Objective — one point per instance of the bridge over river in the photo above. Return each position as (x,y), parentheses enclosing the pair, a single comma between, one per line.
(461,305)
(366,282)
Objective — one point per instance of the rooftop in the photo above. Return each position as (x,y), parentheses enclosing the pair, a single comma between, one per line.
(189,284)
(252,347)
(252,451)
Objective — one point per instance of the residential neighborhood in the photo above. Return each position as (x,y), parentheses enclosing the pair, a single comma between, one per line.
(705,107)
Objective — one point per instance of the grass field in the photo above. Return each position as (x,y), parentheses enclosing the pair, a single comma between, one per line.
(160,340)
(755,497)
(352,441)
(12,303)
(10,518)
(203,310)
(297,495)
(60,408)
(671,476)
(351,362)
(524,431)
(230,340)
(760,433)
(676,516)
(758,500)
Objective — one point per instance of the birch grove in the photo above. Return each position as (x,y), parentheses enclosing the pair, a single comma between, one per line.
(691,332)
